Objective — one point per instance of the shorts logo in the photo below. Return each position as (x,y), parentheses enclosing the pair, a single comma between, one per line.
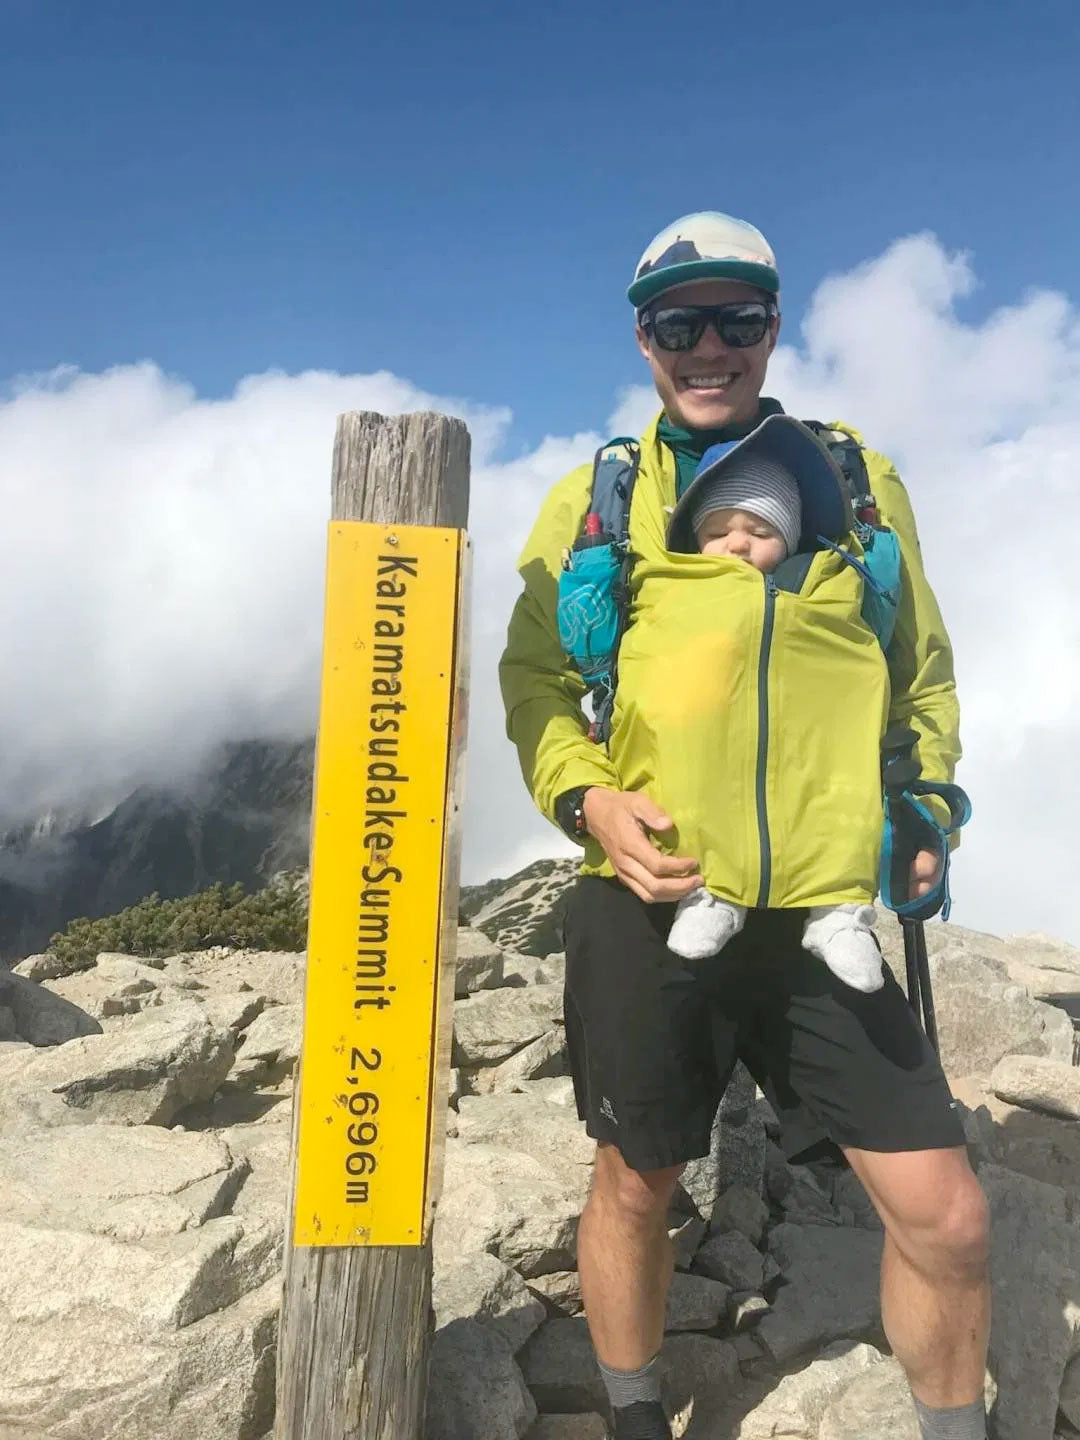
(608,1110)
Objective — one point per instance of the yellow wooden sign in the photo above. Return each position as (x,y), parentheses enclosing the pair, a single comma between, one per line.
(372,1003)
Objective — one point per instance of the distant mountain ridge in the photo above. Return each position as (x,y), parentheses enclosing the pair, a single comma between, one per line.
(244,817)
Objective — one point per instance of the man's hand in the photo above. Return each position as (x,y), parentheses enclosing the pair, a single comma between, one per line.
(925,873)
(622,820)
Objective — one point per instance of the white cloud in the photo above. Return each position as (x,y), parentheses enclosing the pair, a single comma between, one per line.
(161,564)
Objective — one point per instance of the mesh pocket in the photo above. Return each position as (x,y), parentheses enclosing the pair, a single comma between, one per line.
(882,598)
(588,612)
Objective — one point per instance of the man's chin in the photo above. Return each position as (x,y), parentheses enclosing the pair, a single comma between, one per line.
(706,412)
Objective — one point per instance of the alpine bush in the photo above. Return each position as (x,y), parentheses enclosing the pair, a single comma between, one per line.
(274,918)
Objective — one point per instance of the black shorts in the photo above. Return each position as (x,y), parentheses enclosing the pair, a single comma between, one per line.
(653,1038)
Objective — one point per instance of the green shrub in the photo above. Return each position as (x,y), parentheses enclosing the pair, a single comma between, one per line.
(274,918)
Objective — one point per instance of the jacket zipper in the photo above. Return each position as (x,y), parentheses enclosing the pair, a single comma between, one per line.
(763,741)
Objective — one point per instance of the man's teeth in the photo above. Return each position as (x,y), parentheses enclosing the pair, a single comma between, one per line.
(709,382)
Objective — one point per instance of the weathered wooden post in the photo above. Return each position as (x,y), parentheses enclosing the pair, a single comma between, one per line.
(370,1105)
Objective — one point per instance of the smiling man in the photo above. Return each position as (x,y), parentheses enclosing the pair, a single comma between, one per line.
(653,1041)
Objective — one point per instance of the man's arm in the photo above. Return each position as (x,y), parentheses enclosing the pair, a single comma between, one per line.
(920,656)
(920,663)
(542,693)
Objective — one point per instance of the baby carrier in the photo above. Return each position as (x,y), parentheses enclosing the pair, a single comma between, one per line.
(593,611)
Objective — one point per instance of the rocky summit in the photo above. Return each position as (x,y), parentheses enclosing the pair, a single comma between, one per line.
(144,1143)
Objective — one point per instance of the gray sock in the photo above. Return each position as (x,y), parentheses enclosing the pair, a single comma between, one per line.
(963,1422)
(628,1387)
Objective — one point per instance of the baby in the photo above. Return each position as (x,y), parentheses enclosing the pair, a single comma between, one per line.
(752,511)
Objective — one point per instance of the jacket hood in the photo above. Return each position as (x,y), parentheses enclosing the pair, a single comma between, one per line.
(826,504)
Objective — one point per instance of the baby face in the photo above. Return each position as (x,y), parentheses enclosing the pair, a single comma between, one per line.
(744,537)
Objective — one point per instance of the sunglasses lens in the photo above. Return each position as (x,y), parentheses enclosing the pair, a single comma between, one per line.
(742,325)
(678,329)
(738,325)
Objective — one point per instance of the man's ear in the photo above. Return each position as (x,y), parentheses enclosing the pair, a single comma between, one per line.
(642,340)
(774,333)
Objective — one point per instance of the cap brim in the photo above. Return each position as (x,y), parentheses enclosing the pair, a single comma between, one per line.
(826,505)
(655,282)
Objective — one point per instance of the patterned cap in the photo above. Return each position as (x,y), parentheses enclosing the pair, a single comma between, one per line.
(705,246)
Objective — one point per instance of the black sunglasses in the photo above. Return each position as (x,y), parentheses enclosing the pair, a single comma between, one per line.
(740,324)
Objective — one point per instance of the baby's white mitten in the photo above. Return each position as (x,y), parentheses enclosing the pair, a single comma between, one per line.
(704,924)
(842,936)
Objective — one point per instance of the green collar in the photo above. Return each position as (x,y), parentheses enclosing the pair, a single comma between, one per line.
(689,446)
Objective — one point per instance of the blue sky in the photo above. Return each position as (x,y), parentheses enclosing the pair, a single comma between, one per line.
(444,205)
(458,193)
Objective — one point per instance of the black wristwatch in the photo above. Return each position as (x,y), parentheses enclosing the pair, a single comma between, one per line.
(570,813)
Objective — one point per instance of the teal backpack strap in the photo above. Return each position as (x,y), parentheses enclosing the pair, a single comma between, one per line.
(880,566)
(594,584)
(911,826)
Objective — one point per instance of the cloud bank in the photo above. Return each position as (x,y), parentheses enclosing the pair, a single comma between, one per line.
(161,561)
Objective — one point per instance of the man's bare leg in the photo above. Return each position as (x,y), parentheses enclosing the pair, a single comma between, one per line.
(935,1283)
(625,1259)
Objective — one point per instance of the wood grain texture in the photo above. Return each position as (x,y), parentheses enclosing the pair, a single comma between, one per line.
(412,469)
(356,1321)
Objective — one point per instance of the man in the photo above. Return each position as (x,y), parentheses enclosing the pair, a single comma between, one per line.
(652,1041)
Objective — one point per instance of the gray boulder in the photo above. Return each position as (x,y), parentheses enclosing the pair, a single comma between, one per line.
(232,1010)
(796,1191)
(277,975)
(113,985)
(695,1302)
(534,970)
(480,1287)
(700,1376)
(559,1291)
(491,1026)
(732,1258)
(552,1134)
(984,1015)
(1038,1084)
(474,1386)
(40,967)
(1042,964)
(560,1368)
(877,1402)
(163,1283)
(539,1060)
(740,1209)
(123,1182)
(142,1072)
(831,1289)
(795,1407)
(569,1427)
(264,1150)
(556,1091)
(41,1017)
(78,1369)
(1035,1271)
(269,1049)
(479,962)
(508,1204)
(1069,1396)
(686,1235)
(736,1148)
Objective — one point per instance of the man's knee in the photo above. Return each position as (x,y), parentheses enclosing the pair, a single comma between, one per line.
(952,1235)
(637,1195)
(964,1233)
